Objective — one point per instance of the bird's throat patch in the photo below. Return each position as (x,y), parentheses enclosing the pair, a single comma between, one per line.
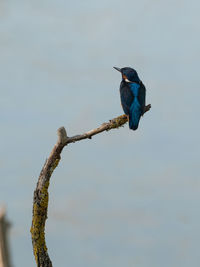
(125,78)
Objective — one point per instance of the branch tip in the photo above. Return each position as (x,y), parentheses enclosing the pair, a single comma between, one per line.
(62,135)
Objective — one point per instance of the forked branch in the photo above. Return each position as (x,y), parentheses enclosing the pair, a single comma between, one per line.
(40,198)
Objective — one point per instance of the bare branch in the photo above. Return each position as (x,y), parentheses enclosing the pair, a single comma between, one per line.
(40,199)
(112,124)
(4,244)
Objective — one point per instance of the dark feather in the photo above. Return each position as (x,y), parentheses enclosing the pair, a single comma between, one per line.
(127,97)
(142,96)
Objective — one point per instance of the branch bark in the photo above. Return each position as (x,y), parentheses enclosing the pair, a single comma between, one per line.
(5,260)
(40,198)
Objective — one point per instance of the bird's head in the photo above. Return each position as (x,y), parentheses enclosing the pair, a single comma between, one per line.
(128,74)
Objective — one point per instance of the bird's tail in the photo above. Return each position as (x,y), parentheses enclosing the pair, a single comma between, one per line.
(134,115)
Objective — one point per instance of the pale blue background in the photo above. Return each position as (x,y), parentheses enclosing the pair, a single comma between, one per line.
(123,198)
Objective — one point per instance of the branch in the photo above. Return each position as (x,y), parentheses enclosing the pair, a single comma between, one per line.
(4,244)
(40,198)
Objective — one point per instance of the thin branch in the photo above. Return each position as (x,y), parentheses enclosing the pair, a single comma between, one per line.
(40,199)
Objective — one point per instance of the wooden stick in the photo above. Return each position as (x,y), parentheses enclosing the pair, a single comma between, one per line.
(40,199)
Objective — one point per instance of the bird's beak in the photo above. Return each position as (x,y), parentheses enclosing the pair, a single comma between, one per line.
(117,69)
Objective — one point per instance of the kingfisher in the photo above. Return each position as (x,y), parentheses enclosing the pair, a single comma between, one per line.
(132,93)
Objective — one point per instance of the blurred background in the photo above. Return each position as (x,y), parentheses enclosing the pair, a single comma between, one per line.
(123,198)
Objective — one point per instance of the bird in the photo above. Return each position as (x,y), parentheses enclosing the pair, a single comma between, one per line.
(133,94)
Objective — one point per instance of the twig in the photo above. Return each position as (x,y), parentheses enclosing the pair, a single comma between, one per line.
(40,199)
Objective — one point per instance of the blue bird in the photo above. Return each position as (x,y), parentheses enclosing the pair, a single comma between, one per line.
(133,93)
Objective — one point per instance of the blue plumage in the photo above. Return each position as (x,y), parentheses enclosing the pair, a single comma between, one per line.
(135,108)
(132,92)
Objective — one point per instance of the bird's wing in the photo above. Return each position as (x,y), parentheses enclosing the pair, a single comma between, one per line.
(142,95)
(127,97)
